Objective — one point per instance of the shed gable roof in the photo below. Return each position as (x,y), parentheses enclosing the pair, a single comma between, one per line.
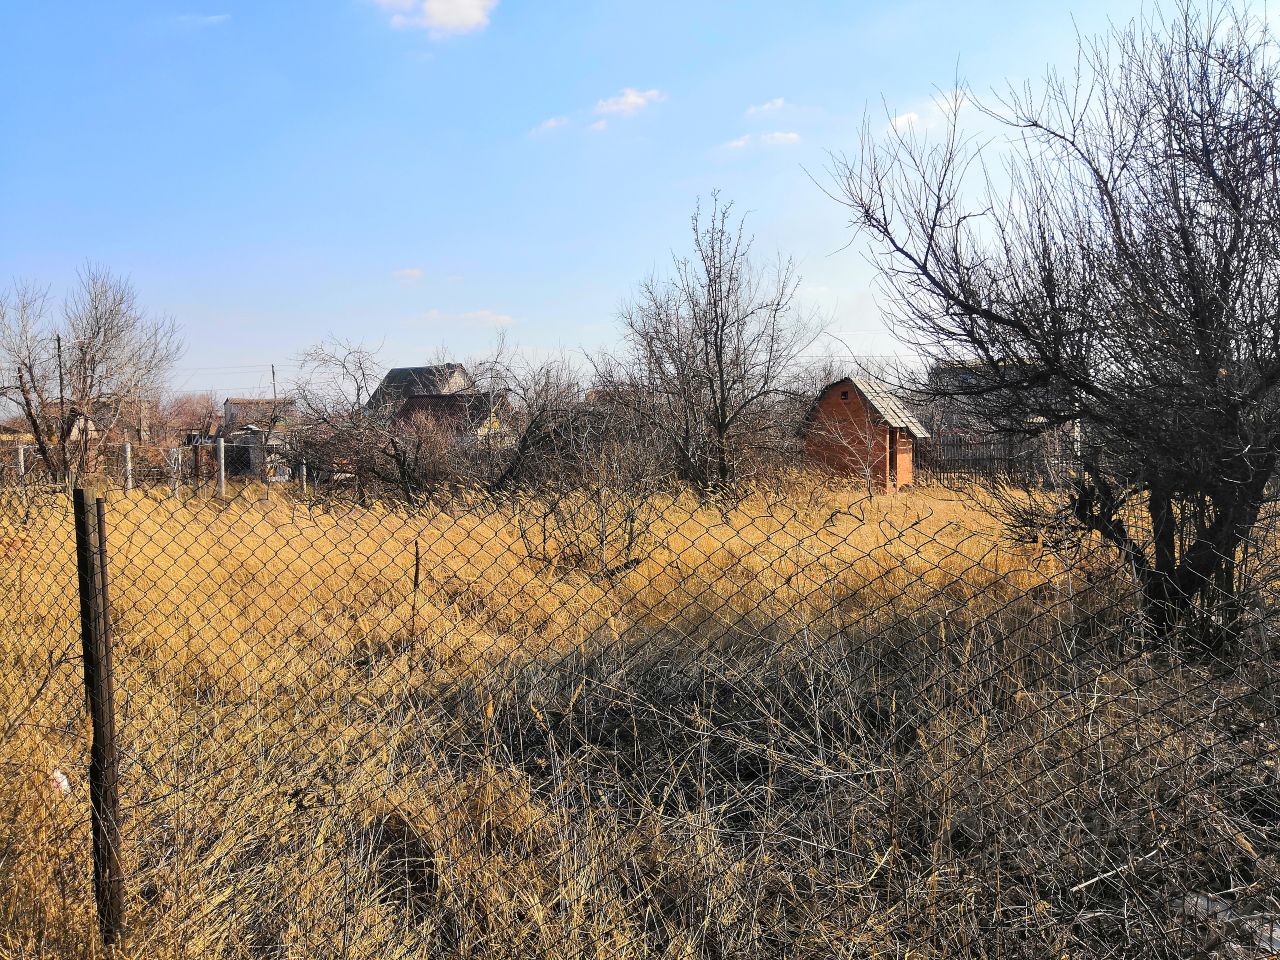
(883,403)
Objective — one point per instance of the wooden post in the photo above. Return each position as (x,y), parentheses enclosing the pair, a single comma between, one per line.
(222,470)
(302,472)
(22,461)
(128,466)
(95,633)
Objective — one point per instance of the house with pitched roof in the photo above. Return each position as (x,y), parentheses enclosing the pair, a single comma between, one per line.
(856,426)
(446,395)
(435,380)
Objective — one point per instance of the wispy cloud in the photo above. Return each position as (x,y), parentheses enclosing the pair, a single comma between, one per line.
(409,275)
(202,19)
(769,106)
(470,318)
(442,18)
(931,114)
(780,138)
(551,123)
(738,142)
(629,101)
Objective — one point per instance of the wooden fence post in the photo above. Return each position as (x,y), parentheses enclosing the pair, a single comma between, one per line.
(22,461)
(128,466)
(95,633)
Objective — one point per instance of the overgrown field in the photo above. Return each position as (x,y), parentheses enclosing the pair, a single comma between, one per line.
(801,725)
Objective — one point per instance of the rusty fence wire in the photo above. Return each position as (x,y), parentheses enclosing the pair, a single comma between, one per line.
(796,722)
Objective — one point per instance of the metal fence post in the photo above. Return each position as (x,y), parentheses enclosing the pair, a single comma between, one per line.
(222,470)
(95,633)
(128,466)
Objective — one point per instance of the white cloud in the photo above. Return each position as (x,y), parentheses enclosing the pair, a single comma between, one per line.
(599,126)
(931,114)
(202,20)
(739,142)
(443,18)
(629,101)
(470,318)
(551,123)
(409,274)
(780,138)
(777,103)
(903,120)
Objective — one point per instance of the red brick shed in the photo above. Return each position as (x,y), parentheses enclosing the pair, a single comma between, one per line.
(856,426)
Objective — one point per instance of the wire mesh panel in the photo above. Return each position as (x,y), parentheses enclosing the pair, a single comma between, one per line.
(44,747)
(608,722)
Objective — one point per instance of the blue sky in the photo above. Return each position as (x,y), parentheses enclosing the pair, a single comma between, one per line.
(425,174)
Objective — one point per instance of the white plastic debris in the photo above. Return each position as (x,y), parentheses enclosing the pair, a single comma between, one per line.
(59,783)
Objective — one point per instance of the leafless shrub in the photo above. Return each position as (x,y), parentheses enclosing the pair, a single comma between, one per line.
(584,473)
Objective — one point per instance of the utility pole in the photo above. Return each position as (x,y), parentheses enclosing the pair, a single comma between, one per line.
(62,409)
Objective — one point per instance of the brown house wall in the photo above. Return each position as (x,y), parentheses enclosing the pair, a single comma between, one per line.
(846,436)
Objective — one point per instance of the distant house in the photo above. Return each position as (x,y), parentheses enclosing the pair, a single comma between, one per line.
(79,429)
(952,393)
(856,426)
(197,434)
(132,419)
(254,432)
(445,394)
(984,428)
(404,383)
(480,414)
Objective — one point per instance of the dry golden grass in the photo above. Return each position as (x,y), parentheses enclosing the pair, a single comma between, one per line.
(803,724)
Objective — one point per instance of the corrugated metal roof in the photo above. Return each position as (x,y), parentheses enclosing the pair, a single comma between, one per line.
(889,407)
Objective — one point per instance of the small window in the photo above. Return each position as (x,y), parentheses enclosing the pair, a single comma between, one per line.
(844,394)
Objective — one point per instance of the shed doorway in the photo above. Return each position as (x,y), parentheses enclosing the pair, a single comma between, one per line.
(893,458)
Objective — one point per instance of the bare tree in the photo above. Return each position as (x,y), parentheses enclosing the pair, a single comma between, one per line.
(341,434)
(348,429)
(1111,267)
(177,414)
(73,378)
(712,351)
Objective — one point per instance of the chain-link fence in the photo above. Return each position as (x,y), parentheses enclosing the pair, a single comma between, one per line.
(795,722)
(126,465)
